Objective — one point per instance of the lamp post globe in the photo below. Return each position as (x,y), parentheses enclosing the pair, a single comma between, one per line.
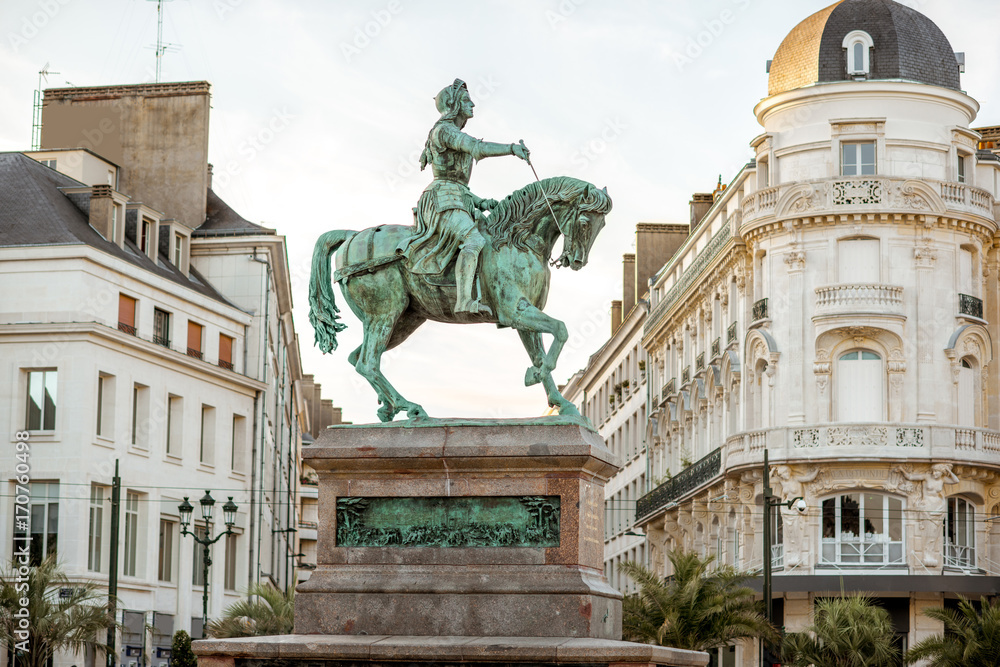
(185,509)
(207,503)
(229,512)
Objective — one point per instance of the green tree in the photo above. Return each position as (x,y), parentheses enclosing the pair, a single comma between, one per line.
(63,615)
(265,611)
(971,636)
(847,631)
(697,608)
(181,654)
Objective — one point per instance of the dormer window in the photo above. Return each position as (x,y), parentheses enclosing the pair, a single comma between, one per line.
(858,45)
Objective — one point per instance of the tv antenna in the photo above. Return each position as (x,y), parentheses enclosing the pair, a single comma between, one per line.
(161,46)
(36,115)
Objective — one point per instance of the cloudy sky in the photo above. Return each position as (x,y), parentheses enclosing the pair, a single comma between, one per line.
(651,99)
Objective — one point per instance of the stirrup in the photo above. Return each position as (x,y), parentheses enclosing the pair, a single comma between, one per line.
(476,307)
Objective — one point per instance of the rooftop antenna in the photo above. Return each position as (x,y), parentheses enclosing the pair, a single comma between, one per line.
(36,115)
(161,47)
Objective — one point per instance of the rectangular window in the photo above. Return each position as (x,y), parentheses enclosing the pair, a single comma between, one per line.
(194,340)
(145,236)
(105,405)
(114,218)
(51,164)
(858,261)
(230,583)
(206,450)
(161,327)
(238,444)
(165,568)
(140,416)
(178,250)
(961,168)
(41,534)
(96,528)
(226,351)
(175,424)
(41,401)
(857,159)
(198,568)
(131,533)
(126,314)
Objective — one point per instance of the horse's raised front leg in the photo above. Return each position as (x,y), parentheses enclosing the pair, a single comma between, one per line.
(378,331)
(533,344)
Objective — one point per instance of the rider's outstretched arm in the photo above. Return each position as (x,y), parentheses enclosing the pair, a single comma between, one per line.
(457,140)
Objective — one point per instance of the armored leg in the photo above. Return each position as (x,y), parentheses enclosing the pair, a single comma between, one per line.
(465,275)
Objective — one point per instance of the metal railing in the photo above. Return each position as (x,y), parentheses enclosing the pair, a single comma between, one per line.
(228,365)
(194,352)
(958,555)
(731,333)
(668,389)
(161,340)
(716,347)
(691,478)
(686,375)
(970,305)
(760,310)
(127,328)
(699,362)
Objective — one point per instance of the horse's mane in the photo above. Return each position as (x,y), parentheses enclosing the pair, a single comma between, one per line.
(513,219)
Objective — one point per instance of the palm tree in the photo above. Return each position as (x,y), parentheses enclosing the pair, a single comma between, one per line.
(848,632)
(62,615)
(971,636)
(265,611)
(697,608)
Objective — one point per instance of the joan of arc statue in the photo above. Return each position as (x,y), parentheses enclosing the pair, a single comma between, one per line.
(448,210)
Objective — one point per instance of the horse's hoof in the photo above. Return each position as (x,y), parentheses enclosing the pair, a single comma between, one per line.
(416,412)
(386,413)
(532,376)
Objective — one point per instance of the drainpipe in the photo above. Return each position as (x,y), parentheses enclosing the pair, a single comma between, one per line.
(266,278)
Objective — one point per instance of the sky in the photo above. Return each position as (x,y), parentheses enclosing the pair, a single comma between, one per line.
(320,109)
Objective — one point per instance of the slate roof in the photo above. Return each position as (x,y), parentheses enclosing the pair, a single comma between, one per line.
(222,220)
(908,46)
(35,212)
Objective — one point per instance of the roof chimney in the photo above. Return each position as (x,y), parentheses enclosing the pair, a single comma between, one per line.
(616,316)
(700,203)
(102,211)
(628,283)
(655,244)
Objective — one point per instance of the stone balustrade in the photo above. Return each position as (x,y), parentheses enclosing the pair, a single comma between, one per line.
(854,298)
(863,441)
(872,193)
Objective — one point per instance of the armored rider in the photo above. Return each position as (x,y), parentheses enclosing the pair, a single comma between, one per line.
(448,210)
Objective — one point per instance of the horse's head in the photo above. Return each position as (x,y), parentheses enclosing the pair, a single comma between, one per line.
(579,233)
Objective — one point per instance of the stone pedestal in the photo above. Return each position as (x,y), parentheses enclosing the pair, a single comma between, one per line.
(456,541)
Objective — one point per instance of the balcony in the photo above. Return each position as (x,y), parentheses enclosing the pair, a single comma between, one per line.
(970,305)
(228,365)
(842,194)
(194,352)
(690,479)
(162,341)
(669,389)
(731,333)
(859,298)
(716,347)
(872,440)
(759,310)
(685,376)
(699,362)
(127,328)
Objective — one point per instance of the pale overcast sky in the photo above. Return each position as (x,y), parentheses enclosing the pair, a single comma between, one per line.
(652,99)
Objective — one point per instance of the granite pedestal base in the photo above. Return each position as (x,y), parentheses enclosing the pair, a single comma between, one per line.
(511,591)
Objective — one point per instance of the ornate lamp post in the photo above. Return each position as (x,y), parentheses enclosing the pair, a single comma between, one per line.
(207,502)
(771,502)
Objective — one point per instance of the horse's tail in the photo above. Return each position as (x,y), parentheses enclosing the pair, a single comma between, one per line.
(323,312)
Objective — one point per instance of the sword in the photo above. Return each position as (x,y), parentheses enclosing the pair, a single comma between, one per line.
(527,159)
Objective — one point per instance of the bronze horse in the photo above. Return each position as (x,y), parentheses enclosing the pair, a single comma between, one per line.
(513,279)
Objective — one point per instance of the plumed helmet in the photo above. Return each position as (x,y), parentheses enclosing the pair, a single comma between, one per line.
(449,100)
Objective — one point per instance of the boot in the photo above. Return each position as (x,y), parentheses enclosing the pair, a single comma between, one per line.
(465,277)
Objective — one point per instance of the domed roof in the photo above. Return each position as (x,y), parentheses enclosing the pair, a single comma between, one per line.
(907,45)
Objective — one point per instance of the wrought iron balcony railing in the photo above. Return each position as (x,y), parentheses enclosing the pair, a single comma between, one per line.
(194,352)
(228,365)
(689,479)
(716,347)
(699,362)
(161,340)
(668,389)
(970,305)
(686,375)
(126,328)
(731,333)
(760,310)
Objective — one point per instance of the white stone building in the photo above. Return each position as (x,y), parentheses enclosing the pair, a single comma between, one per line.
(836,307)
(163,342)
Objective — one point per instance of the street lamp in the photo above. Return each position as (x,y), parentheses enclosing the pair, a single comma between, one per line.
(207,502)
(770,502)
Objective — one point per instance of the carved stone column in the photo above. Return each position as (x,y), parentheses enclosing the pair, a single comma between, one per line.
(794,315)
(924,257)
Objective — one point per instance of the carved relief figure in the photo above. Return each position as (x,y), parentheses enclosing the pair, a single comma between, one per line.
(928,499)
(790,486)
